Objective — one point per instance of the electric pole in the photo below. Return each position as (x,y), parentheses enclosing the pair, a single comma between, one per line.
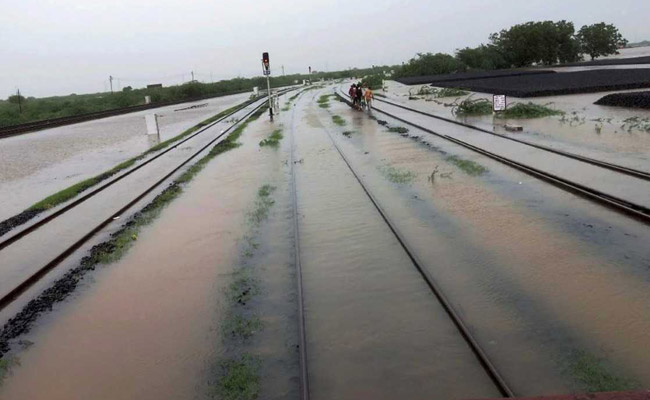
(110,79)
(192,76)
(20,106)
(283,70)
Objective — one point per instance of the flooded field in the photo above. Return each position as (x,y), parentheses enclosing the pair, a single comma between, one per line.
(37,164)
(553,287)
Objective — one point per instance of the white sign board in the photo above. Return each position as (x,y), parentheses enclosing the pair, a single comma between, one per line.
(499,102)
(152,124)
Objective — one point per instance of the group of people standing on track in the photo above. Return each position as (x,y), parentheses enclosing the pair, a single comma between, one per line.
(361,96)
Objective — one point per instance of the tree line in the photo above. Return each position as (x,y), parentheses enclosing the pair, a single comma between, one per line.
(523,45)
(19,109)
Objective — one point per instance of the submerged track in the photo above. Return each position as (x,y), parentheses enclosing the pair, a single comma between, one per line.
(637,211)
(19,289)
(477,350)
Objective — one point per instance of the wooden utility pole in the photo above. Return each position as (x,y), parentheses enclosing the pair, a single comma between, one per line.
(110,79)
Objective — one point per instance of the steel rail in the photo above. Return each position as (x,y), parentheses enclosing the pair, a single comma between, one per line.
(302,336)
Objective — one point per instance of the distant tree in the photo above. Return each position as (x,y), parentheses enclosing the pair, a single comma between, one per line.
(600,40)
(16,99)
(482,58)
(545,42)
(430,64)
(127,89)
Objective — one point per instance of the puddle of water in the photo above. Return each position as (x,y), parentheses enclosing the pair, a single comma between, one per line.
(147,327)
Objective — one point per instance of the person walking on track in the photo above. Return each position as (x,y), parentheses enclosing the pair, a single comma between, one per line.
(368,96)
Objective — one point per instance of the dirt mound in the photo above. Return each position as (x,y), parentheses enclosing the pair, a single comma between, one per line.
(632,100)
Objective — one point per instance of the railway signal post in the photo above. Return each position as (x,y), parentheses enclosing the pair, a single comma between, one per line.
(266,69)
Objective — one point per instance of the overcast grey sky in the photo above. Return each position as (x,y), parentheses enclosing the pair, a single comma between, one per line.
(59,47)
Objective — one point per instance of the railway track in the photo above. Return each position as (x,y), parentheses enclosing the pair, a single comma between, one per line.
(612,201)
(481,356)
(11,295)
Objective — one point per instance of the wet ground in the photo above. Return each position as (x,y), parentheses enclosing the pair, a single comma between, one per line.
(554,288)
(37,164)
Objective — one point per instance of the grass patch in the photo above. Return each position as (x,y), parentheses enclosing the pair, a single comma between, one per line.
(468,166)
(241,327)
(5,367)
(441,92)
(594,375)
(273,140)
(396,175)
(242,288)
(338,120)
(398,129)
(239,378)
(473,107)
(528,110)
(262,206)
(323,101)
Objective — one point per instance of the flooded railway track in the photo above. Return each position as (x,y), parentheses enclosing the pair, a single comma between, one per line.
(614,167)
(24,235)
(631,208)
(461,326)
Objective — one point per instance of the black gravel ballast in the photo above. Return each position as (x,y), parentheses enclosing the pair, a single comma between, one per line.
(463,76)
(631,100)
(600,80)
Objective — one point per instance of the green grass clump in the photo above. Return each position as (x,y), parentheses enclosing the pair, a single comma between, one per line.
(473,107)
(397,175)
(5,367)
(262,206)
(323,101)
(273,140)
(338,120)
(450,92)
(528,110)
(238,326)
(239,378)
(594,375)
(242,288)
(398,129)
(468,166)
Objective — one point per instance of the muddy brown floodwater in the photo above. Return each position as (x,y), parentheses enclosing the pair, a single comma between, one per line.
(550,283)
(374,330)
(149,326)
(37,164)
